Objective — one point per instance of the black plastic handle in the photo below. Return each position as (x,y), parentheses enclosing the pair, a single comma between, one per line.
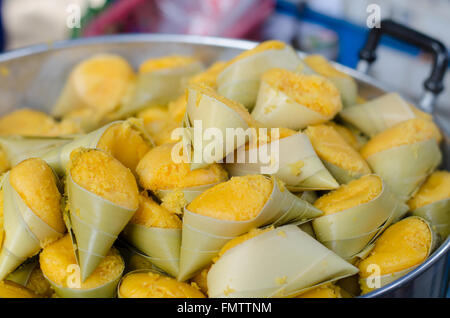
(434,83)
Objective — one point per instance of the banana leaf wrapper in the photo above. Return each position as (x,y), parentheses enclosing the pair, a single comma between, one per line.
(309,196)
(93,224)
(349,232)
(389,278)
(438,215)
(274,108)
(378,114)
(307,228)
(157,88)
(341,175)
(160,245)
(59,157)
(203,236)
(19,148)
(22,274)
(295,150)
(135,272)
(405,168)
(240,81)
(280,263)
(212,113)
(348,88)
(189,193)
(108,290)
(134,259)
(25,232)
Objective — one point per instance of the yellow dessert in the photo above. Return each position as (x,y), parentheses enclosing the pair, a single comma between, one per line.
(103,175)
(347,196)
(239,199)
(28,122)
(241,239)
(4,161)
(264,46)
(158,171)
(324,291)
(35,182)
(152,285)
(435,188)
(201,280)
(209,76)
(321,66)
(404,133)
(124,143)
(56,258)
(2,232)
(235,106)
(177,108)
(165,62)
(12,290)
(404,244)
(38,284)
(311,91)
(151,214)
(159,124)
(100,82)
(332,148)
(346,133)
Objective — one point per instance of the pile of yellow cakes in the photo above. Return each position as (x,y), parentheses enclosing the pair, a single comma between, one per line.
(95,204)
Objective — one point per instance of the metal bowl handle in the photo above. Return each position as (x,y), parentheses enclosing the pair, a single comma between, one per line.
(434,83)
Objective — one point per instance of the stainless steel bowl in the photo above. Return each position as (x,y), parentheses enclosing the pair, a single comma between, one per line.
(34,76)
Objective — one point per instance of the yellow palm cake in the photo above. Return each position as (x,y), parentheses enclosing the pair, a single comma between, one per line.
(39,192)
(153,285)
(105,176)
(56,258)
(354,193)
(239,199)
(402,246)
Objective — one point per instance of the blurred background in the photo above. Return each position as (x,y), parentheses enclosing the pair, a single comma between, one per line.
(334,28)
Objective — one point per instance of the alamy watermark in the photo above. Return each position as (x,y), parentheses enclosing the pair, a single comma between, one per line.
(374,18)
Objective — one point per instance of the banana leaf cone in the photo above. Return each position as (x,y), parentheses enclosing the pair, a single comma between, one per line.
(339,157)
(412,164)
(299,167)
(81,90)
(134,259)
(438,215)
(160,245)
(281,104)
(348,89)
(25,232)
(204,236)
(378,114)
(240,80)
(350,231)
(19,148)
(189,194)
(158,88)
(206,109)
(22,274)
(282,262)
(93,223)
(346,85)
(107,290)
(343,176)
(308,196)
(367,283)
(59,157)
